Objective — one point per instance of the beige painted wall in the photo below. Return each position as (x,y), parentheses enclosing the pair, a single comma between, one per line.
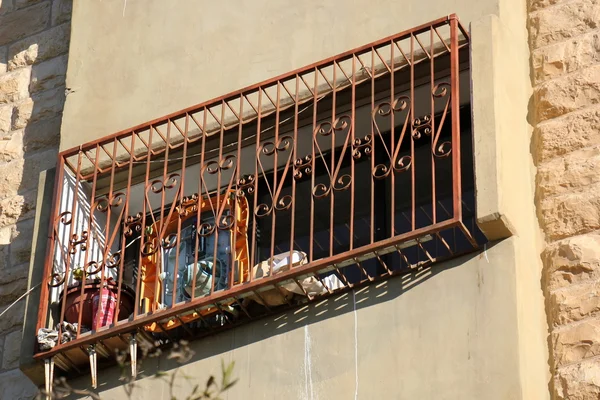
(137,60)
(449,333)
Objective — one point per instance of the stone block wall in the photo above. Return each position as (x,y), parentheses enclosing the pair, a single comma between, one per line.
(565,56)
(34,41)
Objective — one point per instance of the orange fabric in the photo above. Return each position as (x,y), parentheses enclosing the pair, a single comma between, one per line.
(151,286)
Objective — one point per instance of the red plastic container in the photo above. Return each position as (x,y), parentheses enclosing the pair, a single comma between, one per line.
(104,302)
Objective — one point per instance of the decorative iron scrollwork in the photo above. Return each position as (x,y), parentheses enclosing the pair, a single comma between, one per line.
(92,268)
(443,149)
(80,241)
(65,217)
(104,203)
(158,186)
(149,247)
(278,202)
(221,220)
(340,125)
(170,241)
(206,229)
(225,222)
(133,223)
(302,167)
(395,162)
(56,279)
(213,167)
(245,186)
(188,205)
(361,147)
(113,260)
(421,126)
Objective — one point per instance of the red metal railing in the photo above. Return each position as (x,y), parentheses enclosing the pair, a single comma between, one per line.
(336,174)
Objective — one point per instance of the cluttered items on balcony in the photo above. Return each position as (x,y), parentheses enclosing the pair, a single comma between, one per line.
(198,258)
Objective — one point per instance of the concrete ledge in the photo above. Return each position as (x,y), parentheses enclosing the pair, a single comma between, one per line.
(491,71)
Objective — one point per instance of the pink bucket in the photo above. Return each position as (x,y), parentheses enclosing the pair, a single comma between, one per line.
(108,303)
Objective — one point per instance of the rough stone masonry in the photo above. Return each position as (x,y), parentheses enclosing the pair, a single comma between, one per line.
(564,38)
(34,42)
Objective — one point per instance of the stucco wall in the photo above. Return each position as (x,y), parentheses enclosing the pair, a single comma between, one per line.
(445,333)
(472,331)
(138,60)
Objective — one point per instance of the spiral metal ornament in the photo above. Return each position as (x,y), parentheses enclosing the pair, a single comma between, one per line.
(77,240)
(206,229)
(158,186)
(443,149)
(395,163)
(302,167)
(92,268)
(149,247)
(342,125)
(170,241)
(65,217)
(56,279)
(421,126)
(113,260)
(133,223)
(278,202)
(245,186)
(361,147)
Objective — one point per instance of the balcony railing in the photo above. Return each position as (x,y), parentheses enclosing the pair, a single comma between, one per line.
(334,175)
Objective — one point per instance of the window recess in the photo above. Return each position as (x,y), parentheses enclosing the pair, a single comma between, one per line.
(350,170)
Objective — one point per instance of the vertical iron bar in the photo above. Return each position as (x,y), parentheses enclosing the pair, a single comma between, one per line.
(68,260)
(236,203)
(431,89)
(332,183)
(455,107)
(412,138)
(199,208)
(107,230)
(256,163)
(218,207)
(123,241)
(372,234)
(294,157)
(275,191)
(352,158)
(160,286)
(143,228)
(393,147)
(87,244)
(313,165)
(181,207)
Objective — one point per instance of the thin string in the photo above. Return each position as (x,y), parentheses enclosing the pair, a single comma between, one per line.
(19,299)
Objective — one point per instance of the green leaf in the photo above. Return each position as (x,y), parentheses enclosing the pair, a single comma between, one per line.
(229,385)
(227,372)
(210,382)
(159,374)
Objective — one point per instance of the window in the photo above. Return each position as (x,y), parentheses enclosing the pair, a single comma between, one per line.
(350,170)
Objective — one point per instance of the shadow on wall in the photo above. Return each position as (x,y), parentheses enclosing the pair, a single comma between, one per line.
(274,325)
(34,41)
